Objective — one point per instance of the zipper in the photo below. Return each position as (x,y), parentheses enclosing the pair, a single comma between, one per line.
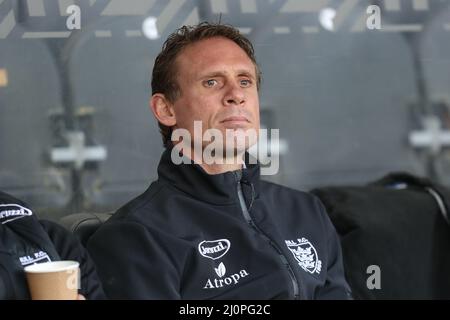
(250,221)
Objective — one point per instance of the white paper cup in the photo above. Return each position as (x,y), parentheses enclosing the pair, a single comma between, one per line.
(57,280)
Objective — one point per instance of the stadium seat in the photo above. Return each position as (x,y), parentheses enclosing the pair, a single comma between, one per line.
(395,236)
(83,225)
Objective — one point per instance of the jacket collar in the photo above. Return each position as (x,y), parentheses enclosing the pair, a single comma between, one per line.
(217,189)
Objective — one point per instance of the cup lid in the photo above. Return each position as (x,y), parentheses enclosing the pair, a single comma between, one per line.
(53,266)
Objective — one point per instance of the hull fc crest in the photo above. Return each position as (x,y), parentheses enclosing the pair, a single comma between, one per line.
(305,254)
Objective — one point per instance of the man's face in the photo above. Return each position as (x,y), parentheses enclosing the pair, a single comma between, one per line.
(218,87)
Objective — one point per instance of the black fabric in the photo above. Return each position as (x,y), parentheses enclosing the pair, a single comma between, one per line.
(84,225)
(154,247)
(25,240)
(394,223)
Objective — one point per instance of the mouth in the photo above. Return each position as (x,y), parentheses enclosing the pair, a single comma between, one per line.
(235,119)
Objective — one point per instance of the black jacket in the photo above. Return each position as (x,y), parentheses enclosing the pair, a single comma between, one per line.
(25,240)
(228,236)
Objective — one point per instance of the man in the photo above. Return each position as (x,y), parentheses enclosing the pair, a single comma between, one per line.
(25,240)
(213,230)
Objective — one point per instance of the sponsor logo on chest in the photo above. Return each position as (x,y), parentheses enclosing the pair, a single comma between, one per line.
(215,250)
(10,212)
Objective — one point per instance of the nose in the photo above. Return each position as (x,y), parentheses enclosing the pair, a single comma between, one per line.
(234,95)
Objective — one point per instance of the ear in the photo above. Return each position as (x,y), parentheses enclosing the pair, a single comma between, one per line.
(163,110)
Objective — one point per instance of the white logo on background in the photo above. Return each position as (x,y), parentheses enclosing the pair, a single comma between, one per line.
(306,255)
(36,257)
(221,270)
(227,281)
(13,211)
(221,149)
(214,249)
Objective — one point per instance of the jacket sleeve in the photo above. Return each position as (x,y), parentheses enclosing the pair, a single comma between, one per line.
(336,286)
(70,248)
(131,264)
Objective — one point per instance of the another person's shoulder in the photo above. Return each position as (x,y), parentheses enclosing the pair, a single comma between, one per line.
(138,208)
(57,233)
(6,199)
(67,244)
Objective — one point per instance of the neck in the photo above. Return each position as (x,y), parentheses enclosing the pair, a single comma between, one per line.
(220,168)
(231,163)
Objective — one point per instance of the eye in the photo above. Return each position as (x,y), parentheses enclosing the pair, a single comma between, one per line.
(246,83)
(210,83)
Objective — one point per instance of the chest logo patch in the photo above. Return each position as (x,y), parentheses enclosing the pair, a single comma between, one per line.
(214,249)
(305,254)
(37,257)
(10,212)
